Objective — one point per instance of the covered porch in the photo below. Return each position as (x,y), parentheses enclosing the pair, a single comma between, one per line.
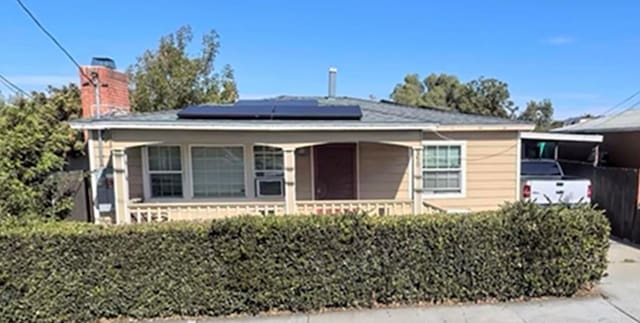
(200,175)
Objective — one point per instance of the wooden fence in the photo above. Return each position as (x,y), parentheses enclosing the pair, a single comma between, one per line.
(615,190)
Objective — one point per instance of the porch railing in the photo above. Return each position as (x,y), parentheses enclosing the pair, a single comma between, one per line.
(160,212)
(380,207)
(141,212)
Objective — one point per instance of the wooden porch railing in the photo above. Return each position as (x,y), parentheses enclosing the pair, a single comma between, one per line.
(380,207)
(160,212)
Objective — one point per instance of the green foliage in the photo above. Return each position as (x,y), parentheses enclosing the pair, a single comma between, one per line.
(79,272)
(36,141)
(540,113)
(481,96)
(168,78)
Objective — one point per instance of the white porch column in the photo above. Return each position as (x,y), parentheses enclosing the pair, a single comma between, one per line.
(120,186)
(417,179)
(289,180)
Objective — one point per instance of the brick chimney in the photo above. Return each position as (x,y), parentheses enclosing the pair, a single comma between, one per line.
(114,88)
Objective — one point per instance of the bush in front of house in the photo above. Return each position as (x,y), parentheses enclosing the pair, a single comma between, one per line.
(79,272)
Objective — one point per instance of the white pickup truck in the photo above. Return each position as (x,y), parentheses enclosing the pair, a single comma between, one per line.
(544,182)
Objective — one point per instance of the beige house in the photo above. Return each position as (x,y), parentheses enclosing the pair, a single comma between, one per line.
(394,159)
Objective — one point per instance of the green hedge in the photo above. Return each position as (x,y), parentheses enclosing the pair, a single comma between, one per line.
(72,272)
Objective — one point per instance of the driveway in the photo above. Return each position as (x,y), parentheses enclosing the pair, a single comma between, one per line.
(619,302)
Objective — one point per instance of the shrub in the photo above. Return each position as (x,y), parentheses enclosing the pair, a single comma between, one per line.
(79,272)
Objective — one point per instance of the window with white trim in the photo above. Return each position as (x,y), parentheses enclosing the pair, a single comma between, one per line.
(268,161)
(268,170)
(165,171)
(442,169)
(218,171)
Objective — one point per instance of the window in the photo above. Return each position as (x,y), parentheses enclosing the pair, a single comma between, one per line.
(218,171)
(165,171)
(442,170)
(269,170)
(268,161)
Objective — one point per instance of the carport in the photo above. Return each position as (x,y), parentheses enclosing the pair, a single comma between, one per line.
(548,145)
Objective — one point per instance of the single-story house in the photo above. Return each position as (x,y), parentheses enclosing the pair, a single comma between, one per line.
(391,159)
(289,155)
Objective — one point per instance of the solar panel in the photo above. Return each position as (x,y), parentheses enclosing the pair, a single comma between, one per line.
(273,102)
(273,109)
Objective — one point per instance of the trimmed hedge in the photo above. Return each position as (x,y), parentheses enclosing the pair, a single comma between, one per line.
(73,272)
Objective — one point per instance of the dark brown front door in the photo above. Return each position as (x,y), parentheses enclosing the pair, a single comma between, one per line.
(335,171)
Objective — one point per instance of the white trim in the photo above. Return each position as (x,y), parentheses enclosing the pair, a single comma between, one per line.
(244,166)
(254,179)
(146,172)
(249,172)
(125,160)
(410,166)
(313,173)
(552,136)
(94,179)
(116,192)
(518,165)
(463,168)
(357,170)
(261,127)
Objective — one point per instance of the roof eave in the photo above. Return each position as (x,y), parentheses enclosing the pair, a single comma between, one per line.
(239,127)
(487,127)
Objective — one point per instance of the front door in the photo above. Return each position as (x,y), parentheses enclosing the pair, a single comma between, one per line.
(335,171)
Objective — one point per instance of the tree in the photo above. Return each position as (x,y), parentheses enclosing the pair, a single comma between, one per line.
(36,141)
(168,78)
(540,113)
(482,96)
(487,97)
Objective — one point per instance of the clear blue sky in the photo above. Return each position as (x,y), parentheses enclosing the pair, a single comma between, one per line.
(583,55)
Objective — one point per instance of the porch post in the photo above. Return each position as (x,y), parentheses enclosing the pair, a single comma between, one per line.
(417,179)
(120,186)
(289,180)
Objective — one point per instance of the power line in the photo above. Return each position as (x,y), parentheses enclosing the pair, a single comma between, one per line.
(11,86)
(54,40)
(622,102)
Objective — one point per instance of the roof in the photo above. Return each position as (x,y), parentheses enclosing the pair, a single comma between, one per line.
(375,115)
(627,120)
(549,136)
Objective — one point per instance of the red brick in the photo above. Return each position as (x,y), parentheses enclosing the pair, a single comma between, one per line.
(114,91)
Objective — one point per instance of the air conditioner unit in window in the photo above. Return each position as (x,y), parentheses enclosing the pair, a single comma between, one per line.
(269,186)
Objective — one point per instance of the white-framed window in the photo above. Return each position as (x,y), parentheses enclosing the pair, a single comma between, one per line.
(217,171)
(268,166)
(268,161)
(443,168)
(164,169)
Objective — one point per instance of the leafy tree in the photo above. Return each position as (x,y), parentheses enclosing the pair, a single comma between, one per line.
(168,78)
(540,113)
(36,141)
(483,96)
(487,97)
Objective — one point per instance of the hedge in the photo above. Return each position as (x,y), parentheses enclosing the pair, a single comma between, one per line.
(80,272)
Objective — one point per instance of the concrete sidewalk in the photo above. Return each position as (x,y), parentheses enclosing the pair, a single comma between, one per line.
(620,302)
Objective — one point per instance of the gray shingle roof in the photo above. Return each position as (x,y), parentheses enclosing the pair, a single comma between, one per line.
(628,120)
(373,113)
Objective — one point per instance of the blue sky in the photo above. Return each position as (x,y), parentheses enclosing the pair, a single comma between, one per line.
(583,55)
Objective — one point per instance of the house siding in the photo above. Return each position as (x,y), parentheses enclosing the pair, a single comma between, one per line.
(383,171)
(491,170)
